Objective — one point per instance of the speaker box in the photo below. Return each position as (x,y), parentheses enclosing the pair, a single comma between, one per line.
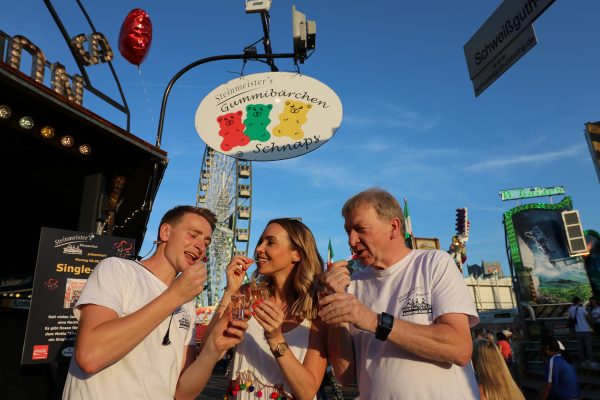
(574,231)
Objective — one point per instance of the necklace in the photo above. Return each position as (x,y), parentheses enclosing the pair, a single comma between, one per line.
(166,339)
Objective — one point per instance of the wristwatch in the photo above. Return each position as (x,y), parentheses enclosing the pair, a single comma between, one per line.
(384,326)
(280,349)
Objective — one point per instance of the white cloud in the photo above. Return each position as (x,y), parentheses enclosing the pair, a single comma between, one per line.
(320,174)
(392,117)
(521,159)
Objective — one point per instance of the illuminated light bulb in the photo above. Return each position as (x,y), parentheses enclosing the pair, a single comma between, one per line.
(5,111)
(85,149)
(47,132)
(67,141)
(26,123)
(18,295)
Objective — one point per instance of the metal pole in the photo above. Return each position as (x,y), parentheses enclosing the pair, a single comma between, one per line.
(245,56)
(265,17)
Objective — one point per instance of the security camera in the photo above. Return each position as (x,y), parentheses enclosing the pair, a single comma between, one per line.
(257,6)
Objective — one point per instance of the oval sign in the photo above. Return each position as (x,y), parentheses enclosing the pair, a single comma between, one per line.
(269,116)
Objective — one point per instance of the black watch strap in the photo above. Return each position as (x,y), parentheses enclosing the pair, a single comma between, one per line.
(385,322)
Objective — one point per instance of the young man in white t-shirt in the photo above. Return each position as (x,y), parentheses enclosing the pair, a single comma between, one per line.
(136,320)
(402,329)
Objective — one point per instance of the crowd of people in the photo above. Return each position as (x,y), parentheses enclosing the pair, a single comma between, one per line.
(398,329)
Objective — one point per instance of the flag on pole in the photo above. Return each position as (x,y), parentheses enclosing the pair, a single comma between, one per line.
(330,254)
(407,221)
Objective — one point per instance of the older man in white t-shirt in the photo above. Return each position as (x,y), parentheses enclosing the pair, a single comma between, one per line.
(407,315)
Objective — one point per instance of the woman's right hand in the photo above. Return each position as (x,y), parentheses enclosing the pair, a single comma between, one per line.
(235,271)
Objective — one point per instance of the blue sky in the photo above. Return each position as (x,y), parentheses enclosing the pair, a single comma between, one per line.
(411,123)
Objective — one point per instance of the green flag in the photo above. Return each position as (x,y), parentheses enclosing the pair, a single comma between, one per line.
(407,221)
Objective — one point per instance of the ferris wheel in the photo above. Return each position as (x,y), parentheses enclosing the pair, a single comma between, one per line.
(225,188)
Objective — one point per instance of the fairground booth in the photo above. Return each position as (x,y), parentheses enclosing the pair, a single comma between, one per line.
(552,259)
(76,187)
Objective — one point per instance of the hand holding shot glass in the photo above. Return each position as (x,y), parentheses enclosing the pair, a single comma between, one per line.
(238,305)
(322,293)
(336,278)
(322,290)
(259,291)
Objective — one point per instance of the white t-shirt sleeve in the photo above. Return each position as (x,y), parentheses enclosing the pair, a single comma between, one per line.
(449,291)
(106,286)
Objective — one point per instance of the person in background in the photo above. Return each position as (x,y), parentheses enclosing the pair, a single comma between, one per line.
(407,315)
(560,376)
(505,349)
(136,320)
(594,314)
(478,335)
(494,379)
(583,331)
(284,354)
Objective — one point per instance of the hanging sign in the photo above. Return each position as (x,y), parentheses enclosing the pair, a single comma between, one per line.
(269,116)
(525,193)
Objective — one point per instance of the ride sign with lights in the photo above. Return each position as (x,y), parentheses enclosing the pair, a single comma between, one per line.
(269,116)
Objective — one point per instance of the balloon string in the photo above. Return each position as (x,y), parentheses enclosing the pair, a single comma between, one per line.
(146,95)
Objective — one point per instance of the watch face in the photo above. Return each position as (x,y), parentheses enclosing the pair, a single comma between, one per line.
(386,320)
(281,348)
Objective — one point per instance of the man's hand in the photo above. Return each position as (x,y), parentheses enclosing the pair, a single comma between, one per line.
(190,283)
(337,276)
(343,307)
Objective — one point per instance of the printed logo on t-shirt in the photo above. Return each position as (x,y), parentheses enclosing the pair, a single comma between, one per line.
(404,296)
(184,320)
(416,305)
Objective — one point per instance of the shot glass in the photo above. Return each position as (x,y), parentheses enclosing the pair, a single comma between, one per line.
(322,293)
(259,292)
(238,305)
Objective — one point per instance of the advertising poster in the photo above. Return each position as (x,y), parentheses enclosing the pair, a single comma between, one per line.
(592,261)
(65,260)
(540,257)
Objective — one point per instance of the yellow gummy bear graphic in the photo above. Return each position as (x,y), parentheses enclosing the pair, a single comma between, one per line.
(291,119)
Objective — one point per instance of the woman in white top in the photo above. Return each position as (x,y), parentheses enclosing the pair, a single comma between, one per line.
(283,352)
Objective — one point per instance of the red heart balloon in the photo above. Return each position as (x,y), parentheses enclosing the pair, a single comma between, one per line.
(135,37)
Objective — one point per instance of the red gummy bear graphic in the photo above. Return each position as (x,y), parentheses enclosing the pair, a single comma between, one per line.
(232,130)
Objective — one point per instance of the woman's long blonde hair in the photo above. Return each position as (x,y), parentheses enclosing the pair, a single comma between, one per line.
(493,374)
(307,271)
